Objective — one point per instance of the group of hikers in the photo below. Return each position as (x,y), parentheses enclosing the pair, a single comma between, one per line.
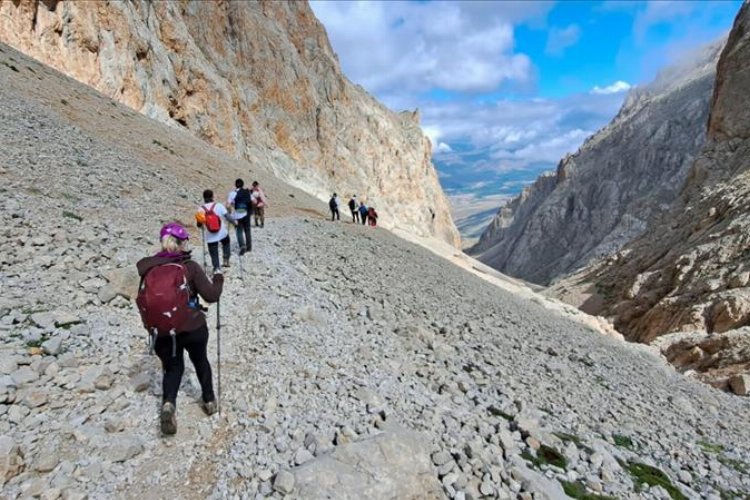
(360,211)
(171,283)
(214,219)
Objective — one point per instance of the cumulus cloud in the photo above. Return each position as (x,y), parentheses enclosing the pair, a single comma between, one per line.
(443,148)
(510,135)
(560,39)
(418,46)
(615,88)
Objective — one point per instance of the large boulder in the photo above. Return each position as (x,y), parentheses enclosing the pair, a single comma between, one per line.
(389,465)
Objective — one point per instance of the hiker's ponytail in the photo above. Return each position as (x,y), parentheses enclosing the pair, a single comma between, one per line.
(173,245)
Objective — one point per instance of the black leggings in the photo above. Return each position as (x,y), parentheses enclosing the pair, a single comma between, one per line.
(195,343)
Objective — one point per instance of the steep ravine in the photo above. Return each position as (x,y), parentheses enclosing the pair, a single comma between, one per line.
(256,79)
(688,274)
(606,193)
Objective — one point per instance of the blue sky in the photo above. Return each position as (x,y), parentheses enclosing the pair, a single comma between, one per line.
(506,88)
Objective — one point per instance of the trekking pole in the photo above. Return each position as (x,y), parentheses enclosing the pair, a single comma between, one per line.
(239,258)
(203,246)
(218,354)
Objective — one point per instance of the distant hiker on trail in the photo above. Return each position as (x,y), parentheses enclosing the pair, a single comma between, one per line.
(213,217)
(171,281)
(372,217)
(363,213)
(240,200)
(333,204)
(259,204)
(354,209)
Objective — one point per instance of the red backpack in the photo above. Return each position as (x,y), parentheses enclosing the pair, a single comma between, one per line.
(213,221)
(163,299)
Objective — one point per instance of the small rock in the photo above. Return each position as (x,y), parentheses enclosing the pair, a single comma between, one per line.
(284,482)
(46,462)
(441,458)
(11,459)
(24,375)
(106,294)
(52,346)
(740,384)
(140,382)
(45,320)
(302,456)
(124,450)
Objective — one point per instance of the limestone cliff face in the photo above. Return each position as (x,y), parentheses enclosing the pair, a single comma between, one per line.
(690,271)
(606,193)
(257,79)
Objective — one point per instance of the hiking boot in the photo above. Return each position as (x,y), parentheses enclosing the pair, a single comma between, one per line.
(209,407)
(243,251)
(168,419)
(226,263)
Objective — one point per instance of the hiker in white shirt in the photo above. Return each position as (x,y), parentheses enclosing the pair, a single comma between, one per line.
(216,219)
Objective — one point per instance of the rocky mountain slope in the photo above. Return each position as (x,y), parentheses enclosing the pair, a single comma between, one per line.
(256,79)
(689,272)
(354,364)
(606,193)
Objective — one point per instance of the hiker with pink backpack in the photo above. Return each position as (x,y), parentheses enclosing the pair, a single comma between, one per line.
(213,218)
(171,312)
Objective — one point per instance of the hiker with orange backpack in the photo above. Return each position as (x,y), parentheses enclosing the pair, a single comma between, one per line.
(214,218)
(171,312)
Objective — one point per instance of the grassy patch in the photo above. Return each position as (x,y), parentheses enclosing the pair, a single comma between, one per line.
(737,465)
(651,476)
(731,495)
(70,197)
(578,490)
(624,442)
(36,343)
(71,215)
(569,438)
(545,456)
(710,447)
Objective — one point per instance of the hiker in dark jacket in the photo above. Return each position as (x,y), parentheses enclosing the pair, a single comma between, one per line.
(363,213)
(333,204)
(354,209)
(192,336)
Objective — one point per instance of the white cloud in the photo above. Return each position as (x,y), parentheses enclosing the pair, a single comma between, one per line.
(443,148)
(510,135)
(560,39)
(615,88)
(411,47)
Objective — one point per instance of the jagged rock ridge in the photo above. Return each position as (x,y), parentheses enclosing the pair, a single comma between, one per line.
(606,193)
(689,272)
(257,79)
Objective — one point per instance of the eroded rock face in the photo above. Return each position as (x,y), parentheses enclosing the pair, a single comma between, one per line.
(258,79)
(689,271)
(605,195)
